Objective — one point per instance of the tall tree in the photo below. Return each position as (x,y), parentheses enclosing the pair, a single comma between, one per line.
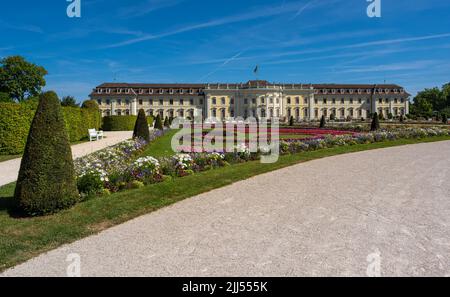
(69,101)
(141,127)
(375,125)
(21,79)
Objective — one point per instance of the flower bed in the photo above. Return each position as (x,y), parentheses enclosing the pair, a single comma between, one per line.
(115,168)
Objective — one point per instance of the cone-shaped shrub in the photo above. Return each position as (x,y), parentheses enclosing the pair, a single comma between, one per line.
(158,123)
(375,123)
(322,122)
(444,118)
(141,127)
(291,121)
(166,122)
(46,181)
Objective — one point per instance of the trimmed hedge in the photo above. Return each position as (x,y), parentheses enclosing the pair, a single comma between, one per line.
(15,121)
(46,182)
(141,129)
(121,123)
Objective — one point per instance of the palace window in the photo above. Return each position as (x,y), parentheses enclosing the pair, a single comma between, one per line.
(315,101)
(214,100)
(333,101)
(181,101)
(119,102)
(305,100)
(171,102)
(108,102)
(151,101)
(161,102)
(262,100)
(245,101)
(380,100)
(324,101)
(342,100)
(253,100)
(191,101)
(232,101)
(271,100)
(402,100)
(99,101)
(351,101)
(359,101)
(288,100)
(140,102)
(395,100)
(223,100)
(127,102)
(201,101)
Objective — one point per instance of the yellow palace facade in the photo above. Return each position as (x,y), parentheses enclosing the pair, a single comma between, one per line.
(304,102)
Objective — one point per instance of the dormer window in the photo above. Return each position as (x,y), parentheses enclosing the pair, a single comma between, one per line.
(170,91)
(325,91)
(108,91)
(127,91)
(119,91)
(368,91)
(99,91)
(191,91)
(351,91)
(359,91)
(161,91)
(181,91)
(402,91)
(333,91)
(342,91)
(386,91)
(150,91)
(141,91)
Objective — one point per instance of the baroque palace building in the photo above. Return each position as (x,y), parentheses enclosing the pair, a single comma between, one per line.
(304,102)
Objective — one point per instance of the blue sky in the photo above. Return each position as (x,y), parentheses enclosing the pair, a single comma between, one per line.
(221,41)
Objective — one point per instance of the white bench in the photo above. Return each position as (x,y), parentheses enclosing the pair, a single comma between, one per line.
(95,135)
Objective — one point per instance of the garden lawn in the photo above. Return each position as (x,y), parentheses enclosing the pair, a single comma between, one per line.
(8,157)
(161,147)
(24,238)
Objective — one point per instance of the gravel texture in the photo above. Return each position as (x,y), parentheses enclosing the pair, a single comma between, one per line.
(9,170)
(320,218)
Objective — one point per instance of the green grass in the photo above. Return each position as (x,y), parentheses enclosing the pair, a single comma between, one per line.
(161,147)
(8,157)
(24,238)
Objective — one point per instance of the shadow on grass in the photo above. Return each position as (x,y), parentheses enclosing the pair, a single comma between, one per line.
(8,206)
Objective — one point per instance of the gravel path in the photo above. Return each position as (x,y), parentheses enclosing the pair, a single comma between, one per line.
(9,170)
(328,217)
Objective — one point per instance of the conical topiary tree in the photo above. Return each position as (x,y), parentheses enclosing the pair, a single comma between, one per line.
(375,123)
(141,127)
(444,119)
(291,121)
(46,181)
(322,122)
(158,123)
(166,122)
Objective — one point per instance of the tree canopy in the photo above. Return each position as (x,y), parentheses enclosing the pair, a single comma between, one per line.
(431,101)
(69,101)
(20,79)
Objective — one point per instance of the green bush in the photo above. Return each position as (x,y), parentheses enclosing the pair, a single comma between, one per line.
(322,122)
(46,181)
(15,121)
(291,121)
(90,184)
(90,104)
(375,125)
(158,123)
(141,129)
(166,122)
(119,123)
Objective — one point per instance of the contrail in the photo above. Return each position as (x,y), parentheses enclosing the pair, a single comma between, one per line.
(222,65)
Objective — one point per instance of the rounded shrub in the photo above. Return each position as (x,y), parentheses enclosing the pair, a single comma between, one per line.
(90,184)
(46,181)
(141,127)
(90,104)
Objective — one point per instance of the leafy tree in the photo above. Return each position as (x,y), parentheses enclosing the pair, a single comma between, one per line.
(322,122)
(21,79)
(444,118)
(69,101)
(158,123)
(375,125)
(291,121)
(422,107)
(141,127)
(46,181)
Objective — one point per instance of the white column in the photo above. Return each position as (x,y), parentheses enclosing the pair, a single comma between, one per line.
(311,107)
(134,106)
(113,106)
